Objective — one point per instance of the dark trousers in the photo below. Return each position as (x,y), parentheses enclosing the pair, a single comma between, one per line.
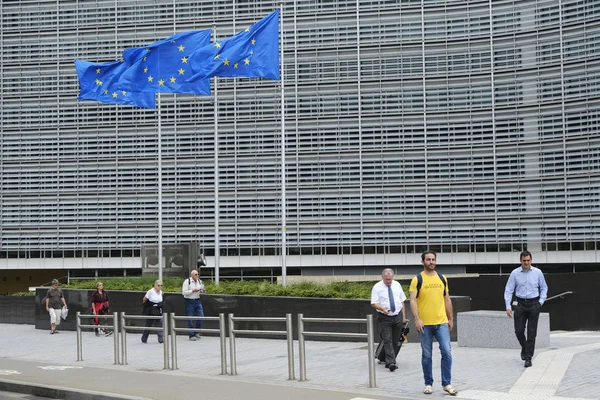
(193,308)
(527,313)
(390,329)
(152,322)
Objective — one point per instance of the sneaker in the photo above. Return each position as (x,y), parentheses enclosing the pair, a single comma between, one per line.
(193,338)
(198,336)
(101,331)
(428,389)
(450,390)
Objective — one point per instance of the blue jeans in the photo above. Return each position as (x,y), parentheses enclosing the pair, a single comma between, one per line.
(442,334)
(193,308)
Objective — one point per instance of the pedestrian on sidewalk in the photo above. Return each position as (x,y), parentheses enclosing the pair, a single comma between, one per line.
(55,301)
(191,289)
(153,306)
(529,286)
(432,310)
(387,297)
(100,306)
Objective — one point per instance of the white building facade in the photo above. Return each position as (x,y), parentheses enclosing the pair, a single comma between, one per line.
(467,127)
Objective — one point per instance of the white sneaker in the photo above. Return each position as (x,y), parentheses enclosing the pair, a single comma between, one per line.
(193,338)
(198,336)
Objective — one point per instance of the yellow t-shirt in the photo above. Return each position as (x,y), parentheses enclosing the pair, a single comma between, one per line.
(430,303)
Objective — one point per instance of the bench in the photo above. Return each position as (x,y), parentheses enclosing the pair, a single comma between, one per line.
(494,329)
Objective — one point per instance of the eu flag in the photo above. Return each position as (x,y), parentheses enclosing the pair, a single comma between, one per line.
(164,66)
(253,53)
(98,82)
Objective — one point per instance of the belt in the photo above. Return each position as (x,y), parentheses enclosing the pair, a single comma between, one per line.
(528,300)
(192,299)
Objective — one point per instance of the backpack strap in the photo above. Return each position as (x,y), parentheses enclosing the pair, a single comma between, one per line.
(420,282)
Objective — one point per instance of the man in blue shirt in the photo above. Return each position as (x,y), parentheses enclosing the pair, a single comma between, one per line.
(530,289)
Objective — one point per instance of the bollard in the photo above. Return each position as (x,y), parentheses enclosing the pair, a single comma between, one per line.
(223,342)
(232,346)
(371,351)
(301,348)
(290,346)
(78,328)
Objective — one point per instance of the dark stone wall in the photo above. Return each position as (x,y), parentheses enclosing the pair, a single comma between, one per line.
(246,306)
(17,309)
(578,311)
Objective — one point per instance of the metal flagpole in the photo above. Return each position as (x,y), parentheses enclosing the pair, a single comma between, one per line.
(160,218)
(283,185)
(216,158)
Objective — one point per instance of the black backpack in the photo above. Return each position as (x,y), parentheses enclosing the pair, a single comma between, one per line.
(420,282)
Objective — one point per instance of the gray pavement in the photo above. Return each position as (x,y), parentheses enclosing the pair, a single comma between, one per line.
(568,369)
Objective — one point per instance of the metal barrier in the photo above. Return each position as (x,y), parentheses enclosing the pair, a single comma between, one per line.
(164,330)
(114,327)
(220,331)
(369,335)
(288,333)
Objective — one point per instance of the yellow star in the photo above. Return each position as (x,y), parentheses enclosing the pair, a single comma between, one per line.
(246,61)
(184,60)
(98,82)
(172,79)
(145,58)
(105,91)
(216,57)
(181,47)
(145,69)
(97,70)
(253,41)
(226,62)
(247,30)
(115,95)
(161,83)
(124,93)
(217,45)
(235,65)
(150,78)
(181,71)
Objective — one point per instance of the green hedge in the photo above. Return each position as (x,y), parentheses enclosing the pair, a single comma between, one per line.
(336,290)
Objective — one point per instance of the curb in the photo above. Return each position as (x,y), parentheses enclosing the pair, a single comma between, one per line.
(55,392)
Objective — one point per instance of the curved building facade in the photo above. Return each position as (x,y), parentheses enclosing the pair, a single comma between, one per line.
(466,127)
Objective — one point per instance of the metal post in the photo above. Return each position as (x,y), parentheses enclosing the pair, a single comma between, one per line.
(78,328)
(116,336)
(173,341)
(301,348)
(290,346)
(165,328)
(371,351)
(123,340)
(223,342)
(232,346)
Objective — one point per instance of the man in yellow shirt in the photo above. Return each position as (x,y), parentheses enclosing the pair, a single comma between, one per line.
(432,311)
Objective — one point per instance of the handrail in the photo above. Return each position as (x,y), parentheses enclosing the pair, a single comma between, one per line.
(164,329)
(369,336)
(561,295)
(114,327)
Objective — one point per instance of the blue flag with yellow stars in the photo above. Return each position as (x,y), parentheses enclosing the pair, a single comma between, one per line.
(164,66)
(252,53)
(98,82)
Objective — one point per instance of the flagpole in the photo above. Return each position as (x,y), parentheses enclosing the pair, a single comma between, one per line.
(160,211)
(283,183)
(216,159)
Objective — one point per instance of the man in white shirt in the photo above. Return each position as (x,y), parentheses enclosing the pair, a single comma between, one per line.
(387,297)
(191,289)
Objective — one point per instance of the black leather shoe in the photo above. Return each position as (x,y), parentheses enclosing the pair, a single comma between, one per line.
(393,367)
(528,363)
(522,356)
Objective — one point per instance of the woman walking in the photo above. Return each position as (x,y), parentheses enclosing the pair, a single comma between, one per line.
(100,306)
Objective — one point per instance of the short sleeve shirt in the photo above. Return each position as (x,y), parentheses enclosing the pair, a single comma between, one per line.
(430,303)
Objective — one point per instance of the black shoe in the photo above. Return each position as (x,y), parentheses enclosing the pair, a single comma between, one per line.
(528,363)
(144,341)
(522,356)
(393,367)
(161,341)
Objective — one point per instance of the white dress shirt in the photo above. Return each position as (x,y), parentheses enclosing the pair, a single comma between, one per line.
(379,295)
(188,288)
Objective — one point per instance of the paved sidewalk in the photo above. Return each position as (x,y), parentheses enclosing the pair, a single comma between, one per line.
(335,370)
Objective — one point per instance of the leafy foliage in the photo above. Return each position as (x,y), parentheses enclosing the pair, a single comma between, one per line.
(338,290)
